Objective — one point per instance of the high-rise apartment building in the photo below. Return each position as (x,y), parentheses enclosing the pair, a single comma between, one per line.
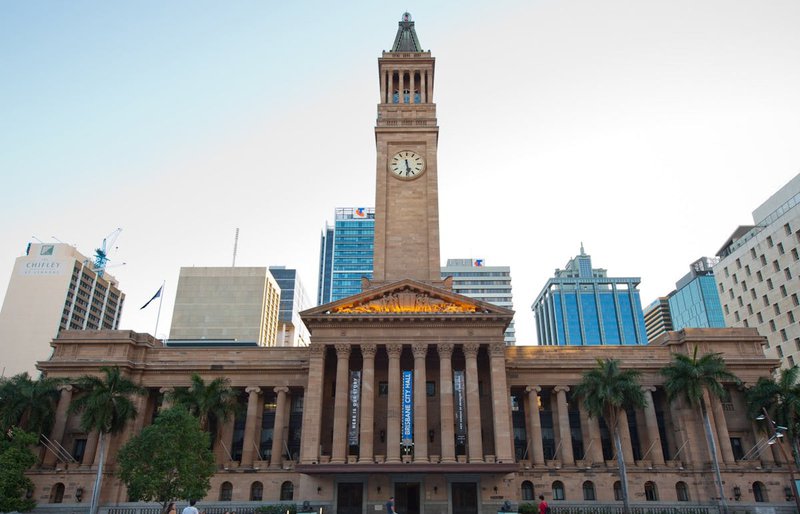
(657,319)
(758,275)
(230,303)
(581,305)
(53,287)
(695,301)
(291,329)
(491,284)
(346,253)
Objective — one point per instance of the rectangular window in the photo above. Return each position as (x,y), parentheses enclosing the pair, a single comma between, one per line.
(769,241)
(721,289)
(726,308)
(791,361)
(795,255)
(430,388)
(725,269)
(780,249)
(747,270)
(787,229)
(788,274)
(777,308)
(735,280)
(738,264)
(736,316)
(790,316)
(776,266)
(763,260)
(746,324)
(744,285)
(783,335)
(795,300)
(759,317)
(759,276)
(779,350)
(797,344)
(753,294)
(738,449)
(772,327)
(783,291)
(750,309)
(730,293)
(765,300)
(739,299)
(753,253)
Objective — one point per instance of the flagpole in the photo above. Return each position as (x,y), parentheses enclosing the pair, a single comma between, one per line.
(160,301)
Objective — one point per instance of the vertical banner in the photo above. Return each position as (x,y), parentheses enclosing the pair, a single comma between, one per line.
(407,420)
(355,408)
(461,424)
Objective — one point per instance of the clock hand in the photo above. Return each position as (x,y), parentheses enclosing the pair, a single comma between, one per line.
(408,168)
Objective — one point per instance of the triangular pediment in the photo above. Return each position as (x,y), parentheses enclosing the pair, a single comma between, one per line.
(407,297)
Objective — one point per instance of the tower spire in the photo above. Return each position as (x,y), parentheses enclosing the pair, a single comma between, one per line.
(406,39)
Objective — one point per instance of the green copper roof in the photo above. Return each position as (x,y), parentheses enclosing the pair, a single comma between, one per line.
(406,39)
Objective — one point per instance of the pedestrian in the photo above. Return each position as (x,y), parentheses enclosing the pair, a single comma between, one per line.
(390,506)
(190,509)
(171,508)
(543,507)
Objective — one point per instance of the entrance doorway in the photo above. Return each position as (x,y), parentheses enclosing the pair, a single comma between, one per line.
(406,497)
(465,497)
(349,498)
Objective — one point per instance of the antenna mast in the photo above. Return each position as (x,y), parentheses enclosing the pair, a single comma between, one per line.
(235,247)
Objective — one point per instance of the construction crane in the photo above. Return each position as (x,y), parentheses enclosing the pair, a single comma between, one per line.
(101,254)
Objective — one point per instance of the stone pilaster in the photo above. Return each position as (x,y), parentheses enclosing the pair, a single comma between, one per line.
(656,453)
(503,435)
(312,405)
(91,449)
(60,425)
(625,435)
(250,426)
(721,425)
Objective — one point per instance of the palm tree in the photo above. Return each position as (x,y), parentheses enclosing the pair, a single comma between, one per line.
(691,378)
(781,398)
(212,403)
(29,404)
(106,407)
(608,391)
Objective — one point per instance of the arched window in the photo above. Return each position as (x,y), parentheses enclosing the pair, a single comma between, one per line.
(225,492)
(256,492)
(527,490)
(588,491)
(618,491)
(558,490)
(650,492)
(57,493)
(759,492)
(682,491)
(287,491)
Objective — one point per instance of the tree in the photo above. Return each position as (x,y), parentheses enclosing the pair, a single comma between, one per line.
(169,460)
(30,404)
(105,407)
(781,398)
(608,391)
(15,458)
(212,403)
(691,378)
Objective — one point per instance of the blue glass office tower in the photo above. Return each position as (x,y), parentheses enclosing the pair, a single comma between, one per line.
(582,306)
(346,253)
(695,302)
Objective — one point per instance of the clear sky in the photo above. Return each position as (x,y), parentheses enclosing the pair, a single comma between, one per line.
(648,130)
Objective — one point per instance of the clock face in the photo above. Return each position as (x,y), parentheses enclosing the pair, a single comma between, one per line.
(407,165)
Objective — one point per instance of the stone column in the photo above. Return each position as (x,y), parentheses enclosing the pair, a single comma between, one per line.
(391,87)
(222,453)
(367,435)
(475,442)
(503,434)
(166,392)
(250,426)
(60,425)
(446,401)
(625,435)
(383,87)
(393,405)
(276,460)
(656,453)
(595,453)
(91,449)
(312,405)
(564,431)
(340,444)
(535,438)
(423,88)
(721,425)
(420,351)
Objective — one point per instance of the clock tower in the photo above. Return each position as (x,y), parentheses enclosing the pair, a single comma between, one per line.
(406,138)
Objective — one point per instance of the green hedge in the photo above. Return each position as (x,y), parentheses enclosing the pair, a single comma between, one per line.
(277,509)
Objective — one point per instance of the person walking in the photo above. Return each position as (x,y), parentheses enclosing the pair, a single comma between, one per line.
(390,506)
(543,507)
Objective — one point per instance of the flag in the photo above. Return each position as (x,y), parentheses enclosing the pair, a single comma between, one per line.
(157,295)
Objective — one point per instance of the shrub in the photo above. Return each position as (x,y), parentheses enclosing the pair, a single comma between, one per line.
(277,509)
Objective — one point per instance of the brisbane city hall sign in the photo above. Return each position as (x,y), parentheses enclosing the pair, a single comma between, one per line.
(408,390)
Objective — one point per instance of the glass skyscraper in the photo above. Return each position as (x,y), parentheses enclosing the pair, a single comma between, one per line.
(695,302)
(294,299)
(346,253)
(583,306)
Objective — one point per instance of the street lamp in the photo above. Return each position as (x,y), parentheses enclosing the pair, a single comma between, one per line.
(777,433)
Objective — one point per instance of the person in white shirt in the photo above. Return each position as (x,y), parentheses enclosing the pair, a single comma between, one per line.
(191,509)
